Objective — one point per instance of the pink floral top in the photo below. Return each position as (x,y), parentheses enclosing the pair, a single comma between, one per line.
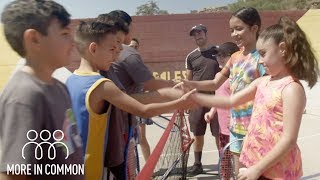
(265,130)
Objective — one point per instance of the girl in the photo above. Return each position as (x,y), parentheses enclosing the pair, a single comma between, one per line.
(242,69)
(224,53)
(270,150)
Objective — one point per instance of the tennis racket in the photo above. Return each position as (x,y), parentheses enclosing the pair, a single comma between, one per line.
(131,159)
(225,148)
(131,153)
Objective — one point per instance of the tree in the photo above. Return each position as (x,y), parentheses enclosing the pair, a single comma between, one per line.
(274,4)
(150,8)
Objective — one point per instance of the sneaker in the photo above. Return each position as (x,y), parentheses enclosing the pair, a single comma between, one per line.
(195,170)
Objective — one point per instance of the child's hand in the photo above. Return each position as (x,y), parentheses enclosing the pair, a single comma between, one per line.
(188,102)
(178,86)
(187,96)
(248,174)
(182,87)
(209,115)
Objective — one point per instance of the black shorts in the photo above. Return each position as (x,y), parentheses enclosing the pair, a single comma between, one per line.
(198,125)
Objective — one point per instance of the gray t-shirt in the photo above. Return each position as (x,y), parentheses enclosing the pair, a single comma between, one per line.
(130,70)
(38,129)
(116,141)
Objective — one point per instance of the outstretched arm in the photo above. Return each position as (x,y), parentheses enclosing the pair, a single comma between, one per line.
(140,74)
(189,75)
(207,85)
(155,83)
(234,100)
(209,115)
(107,91)
(210,85)
(294,101)
(157,96)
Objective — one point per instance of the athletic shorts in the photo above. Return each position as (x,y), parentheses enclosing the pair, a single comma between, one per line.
(198,125)
(236,147)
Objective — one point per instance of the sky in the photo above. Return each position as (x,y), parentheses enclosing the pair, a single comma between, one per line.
(92,8)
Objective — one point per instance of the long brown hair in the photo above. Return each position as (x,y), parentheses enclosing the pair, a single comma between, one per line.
(300,59)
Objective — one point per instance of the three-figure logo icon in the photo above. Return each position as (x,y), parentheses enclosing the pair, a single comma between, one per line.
(45,136)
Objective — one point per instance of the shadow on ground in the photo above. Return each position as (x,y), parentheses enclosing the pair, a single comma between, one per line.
(210,172)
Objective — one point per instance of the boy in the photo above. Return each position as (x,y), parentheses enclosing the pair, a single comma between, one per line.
(130,75)
(34,107)
(92,94)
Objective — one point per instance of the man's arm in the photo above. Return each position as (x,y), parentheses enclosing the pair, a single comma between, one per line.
(136,69)
(140,74)
(154,84)
(210,85)
(189,75)
(207,85)
(157,96)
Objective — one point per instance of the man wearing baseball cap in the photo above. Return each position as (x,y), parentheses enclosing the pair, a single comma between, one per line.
(198,28)
(201,64)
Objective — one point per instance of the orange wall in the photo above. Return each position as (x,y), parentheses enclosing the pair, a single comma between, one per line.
(165,40)
(8,59)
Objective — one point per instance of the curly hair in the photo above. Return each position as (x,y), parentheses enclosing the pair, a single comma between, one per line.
(119,14)
(300,59)
(107,18)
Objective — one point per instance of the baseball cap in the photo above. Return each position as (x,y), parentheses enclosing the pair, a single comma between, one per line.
(227,49)
(198,27)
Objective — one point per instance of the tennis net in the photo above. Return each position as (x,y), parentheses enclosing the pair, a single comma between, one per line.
(170,156)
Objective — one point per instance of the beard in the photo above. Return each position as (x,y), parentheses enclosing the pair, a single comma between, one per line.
(201,42)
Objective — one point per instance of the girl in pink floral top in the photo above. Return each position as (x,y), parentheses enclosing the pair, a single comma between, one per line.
(270,150)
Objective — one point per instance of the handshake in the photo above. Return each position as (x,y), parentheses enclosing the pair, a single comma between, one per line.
(199,99)
(188,94)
